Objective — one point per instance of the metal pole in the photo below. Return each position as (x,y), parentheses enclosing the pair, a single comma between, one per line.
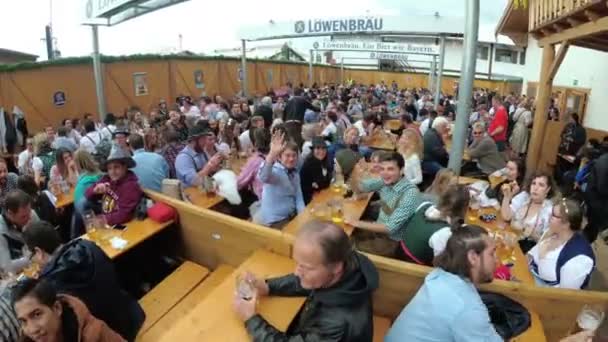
(342,71)
(48,33)
(491,58)
(465,91)
(310,78)
(244,67)
(440,73)
(432,74)
(99,90)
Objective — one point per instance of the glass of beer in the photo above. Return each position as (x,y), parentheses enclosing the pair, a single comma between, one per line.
(90,224)
(245,287)
(509,240)
(320,211)
(590,318)
(337,211)
(473,209)
(208,186)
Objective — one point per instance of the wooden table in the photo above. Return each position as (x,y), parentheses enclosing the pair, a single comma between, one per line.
(520,272)
(353,207)
(136,232)
(200,199)
(494,181)
(380,142)
(392,124)
(65,199)
(213,318)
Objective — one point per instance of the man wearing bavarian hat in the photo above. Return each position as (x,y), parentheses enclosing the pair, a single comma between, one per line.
(192,164)
(120,137)
(115,195)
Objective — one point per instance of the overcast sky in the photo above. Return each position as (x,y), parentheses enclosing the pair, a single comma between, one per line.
(205,25)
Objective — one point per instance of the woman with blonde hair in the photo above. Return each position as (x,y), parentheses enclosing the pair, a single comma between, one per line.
(443,179)
(88,171)
(410,147)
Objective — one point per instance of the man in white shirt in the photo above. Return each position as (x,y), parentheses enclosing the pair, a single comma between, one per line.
(110,122)
(90,141)
(245,137)
(366,125)
(24,162)
(190,110)
(426,123)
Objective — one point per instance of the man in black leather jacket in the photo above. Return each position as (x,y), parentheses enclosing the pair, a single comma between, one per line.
(338,282)
(81,269)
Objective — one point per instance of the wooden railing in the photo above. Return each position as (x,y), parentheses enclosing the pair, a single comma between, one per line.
(545,11)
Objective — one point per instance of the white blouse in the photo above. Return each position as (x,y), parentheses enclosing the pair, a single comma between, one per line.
(329,129)
(572,273)
(412,169)
(540,221)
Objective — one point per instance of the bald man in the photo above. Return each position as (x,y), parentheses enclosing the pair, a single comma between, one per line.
(337,281)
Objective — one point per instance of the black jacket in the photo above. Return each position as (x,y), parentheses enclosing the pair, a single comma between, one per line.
(342,313)
(312,172)
(296,107)
(82,269)
(597,184)
(573,137)
(434,149)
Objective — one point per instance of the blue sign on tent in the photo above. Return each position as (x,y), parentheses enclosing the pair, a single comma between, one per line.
(59,98)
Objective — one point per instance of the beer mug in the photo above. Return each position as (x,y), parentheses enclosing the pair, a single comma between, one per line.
(244,287)
(590,318)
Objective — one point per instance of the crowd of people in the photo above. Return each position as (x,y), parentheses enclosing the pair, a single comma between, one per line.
(296,142)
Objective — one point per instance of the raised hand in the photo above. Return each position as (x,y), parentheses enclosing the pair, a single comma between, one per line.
(277,144)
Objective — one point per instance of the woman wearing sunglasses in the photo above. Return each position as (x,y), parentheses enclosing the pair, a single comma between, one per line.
(563,257)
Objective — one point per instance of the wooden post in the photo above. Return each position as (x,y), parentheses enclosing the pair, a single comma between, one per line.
(172,91)
(540,114)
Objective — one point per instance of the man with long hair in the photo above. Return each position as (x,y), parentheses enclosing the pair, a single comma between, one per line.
(448,307)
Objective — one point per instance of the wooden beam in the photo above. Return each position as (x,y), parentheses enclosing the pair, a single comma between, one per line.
(573,22)
(558,28)
(591,45)
(559,58)
(583,30)
(519,38)
(591,15)
(540,114)
(546,32)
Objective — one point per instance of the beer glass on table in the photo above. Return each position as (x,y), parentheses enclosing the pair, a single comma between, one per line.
(245,287)
(589,318)
(90,224)
(337,211)
(473,209)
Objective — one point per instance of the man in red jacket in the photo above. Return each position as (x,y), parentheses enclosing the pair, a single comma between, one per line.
(115,195)
(499,124)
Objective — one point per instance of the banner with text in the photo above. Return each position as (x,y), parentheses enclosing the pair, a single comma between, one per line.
(343,45)
(368,25)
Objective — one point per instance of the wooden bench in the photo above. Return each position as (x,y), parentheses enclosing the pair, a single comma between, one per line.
(381,326)
(170,291)
(186,304)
